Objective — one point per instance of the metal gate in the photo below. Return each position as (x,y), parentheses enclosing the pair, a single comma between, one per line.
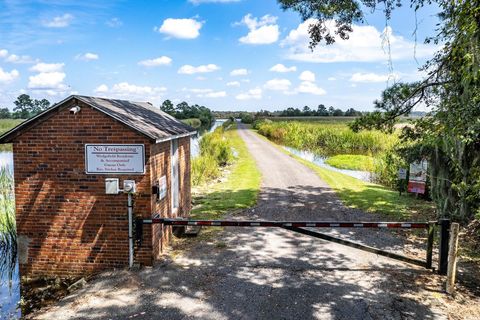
(305,227)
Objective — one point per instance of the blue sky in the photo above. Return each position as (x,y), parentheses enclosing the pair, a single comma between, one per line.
(224,54)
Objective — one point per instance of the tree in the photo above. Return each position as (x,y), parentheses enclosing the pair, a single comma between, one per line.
(40,106)
(23,106)
(26,107)
(306,111)
(449,136)
(168,107)
(351,112)
(322,111)
(337,113)
(331,110)
(5,113)
(246,117)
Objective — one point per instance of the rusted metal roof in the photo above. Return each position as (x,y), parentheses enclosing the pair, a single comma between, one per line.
(139,116)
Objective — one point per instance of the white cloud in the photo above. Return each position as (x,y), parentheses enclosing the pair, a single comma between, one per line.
(87,56)
(214,94)
(3,53)
(197,90)
(212,1)
(114,23)
(239,72)
(331,79)
(282,69)
(8,76)
(206,93)
(277,84)
(160,61)
(261,31)
(200,78)
(233,84)
(307,76)
(59,22)
(47,67)
(101,89)
(371,77)
(250,94)
(13,58)
(310,87)
(180,28)
(47,81)
(188,69)
(125,90)
(365,44)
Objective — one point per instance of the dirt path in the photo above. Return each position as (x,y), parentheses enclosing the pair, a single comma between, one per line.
(268,273)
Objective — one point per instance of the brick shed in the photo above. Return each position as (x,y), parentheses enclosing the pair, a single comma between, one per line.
(66,223)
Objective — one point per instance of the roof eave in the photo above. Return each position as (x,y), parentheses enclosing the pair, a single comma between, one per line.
(178,136)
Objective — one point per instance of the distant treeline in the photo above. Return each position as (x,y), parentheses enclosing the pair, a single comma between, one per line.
(184,111)
(306,111)
(25,107)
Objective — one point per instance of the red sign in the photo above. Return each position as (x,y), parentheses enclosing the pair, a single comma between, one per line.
(416,187)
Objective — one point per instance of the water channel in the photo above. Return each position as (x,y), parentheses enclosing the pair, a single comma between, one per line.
(320,161)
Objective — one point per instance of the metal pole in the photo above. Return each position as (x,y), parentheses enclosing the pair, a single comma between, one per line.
(431,234)
(443,252)
(358,246)
(130,231)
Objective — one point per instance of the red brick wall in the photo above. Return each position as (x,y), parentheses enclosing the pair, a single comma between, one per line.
(185,179)
(64,217)
(160,165)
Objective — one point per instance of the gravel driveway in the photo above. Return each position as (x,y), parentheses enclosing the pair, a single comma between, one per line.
(264,273)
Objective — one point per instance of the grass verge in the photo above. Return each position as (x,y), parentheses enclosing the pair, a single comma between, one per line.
(5,125)
(369,197)
(238,190)
(351,162)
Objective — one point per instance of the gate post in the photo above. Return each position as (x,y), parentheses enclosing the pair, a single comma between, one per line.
(431,234)
(443,252)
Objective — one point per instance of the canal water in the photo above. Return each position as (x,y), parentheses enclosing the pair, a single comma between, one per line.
(320,161)
(194,143)
(9,276)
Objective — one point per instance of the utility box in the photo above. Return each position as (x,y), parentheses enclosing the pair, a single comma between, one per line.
(70,164)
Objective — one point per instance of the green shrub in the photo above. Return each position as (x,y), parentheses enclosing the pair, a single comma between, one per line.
(204,168)
(192,122)
(215,152)
(246,117)
(386,166)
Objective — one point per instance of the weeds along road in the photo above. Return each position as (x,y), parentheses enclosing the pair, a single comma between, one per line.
(267,273)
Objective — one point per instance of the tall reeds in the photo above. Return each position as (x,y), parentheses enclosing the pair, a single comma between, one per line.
(326,139)
(215,152)
(8,234)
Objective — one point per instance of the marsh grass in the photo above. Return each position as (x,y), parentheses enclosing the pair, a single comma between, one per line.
(326,138)
(8,234)
(352,162)
(215,152)
(5,125)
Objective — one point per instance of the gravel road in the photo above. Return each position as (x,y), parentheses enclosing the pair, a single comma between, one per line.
(264,273)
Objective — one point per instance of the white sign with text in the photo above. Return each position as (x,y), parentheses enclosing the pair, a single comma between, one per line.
(163,187)
(115,158)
